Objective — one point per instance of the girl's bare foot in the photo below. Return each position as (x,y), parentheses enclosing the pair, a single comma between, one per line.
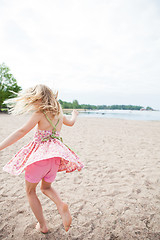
(43,229)
(66,216)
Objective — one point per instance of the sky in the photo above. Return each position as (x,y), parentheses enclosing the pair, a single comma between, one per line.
(96,51)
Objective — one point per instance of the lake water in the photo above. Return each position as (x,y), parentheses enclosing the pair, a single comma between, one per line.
(123,114)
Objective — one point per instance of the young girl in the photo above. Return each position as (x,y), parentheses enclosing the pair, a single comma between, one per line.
(43,157)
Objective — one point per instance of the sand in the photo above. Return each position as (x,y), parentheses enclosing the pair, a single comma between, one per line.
(115,197)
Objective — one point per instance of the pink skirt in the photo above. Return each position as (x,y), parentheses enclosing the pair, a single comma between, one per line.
(38,150)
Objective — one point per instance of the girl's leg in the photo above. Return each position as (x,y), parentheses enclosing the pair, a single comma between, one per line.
(61,206)
(36,206)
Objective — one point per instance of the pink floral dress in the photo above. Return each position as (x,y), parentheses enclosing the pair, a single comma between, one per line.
(46,144)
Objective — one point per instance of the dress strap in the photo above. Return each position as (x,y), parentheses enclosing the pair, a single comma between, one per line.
(54,126)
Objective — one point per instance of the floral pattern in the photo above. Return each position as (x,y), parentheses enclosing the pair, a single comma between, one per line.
(38,150)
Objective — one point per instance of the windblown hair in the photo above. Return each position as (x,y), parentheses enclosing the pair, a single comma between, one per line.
(38,98)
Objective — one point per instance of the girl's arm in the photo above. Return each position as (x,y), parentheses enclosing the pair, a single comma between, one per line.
(70,122)
(21,132)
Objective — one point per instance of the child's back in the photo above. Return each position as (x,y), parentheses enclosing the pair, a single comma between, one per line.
(44,124)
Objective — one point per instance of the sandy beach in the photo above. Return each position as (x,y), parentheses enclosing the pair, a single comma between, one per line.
(115,197)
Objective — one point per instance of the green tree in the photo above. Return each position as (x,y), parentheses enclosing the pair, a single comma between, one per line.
(75,104)
(8,85)
(149,109)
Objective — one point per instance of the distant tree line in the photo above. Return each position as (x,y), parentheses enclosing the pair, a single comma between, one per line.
(76,105)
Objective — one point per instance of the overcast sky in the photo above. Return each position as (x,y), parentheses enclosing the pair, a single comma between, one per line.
(95,51)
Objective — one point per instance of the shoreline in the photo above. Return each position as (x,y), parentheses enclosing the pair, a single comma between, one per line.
(112,114)
(88,117)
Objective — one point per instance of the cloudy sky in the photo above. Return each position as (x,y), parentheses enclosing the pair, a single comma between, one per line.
(95,51)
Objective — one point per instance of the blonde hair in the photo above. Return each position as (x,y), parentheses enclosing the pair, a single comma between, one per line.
(38,98)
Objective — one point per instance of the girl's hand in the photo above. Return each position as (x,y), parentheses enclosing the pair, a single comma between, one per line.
(75,113)
(72,120)
(21,132)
